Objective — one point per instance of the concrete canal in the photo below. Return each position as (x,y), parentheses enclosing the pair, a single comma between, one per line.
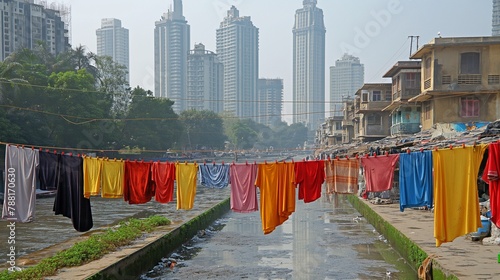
(322,240)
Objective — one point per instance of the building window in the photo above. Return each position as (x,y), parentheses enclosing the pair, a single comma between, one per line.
(376,95)
(373,119)
(364,96)
(427,111)
(428,68)
(411,80)
(470,63)
(469,107)
(388,96)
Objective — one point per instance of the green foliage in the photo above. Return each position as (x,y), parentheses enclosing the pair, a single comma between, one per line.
(91,249)
(162,128)
(202,129)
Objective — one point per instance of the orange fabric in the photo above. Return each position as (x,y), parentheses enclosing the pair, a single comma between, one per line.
(277,193)
(138,187)
(163,176)
(113,176)
(342,176)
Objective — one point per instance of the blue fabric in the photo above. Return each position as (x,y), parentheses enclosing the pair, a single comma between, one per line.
(214,176)
(415,180)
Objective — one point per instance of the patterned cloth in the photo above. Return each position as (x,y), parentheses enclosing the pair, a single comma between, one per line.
(342,176)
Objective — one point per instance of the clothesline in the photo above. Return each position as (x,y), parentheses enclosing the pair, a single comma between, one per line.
(441,177)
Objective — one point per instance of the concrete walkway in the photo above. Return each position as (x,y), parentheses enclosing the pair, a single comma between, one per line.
(463,258)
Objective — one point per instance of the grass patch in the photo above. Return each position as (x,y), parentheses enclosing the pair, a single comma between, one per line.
(89,250)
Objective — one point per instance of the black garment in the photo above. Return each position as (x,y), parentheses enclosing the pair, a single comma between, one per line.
(48,171)
(70,201)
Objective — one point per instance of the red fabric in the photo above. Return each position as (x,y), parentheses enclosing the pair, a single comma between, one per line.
(490,176)
(163,176)
(379,172)
(138,187)
(309,175)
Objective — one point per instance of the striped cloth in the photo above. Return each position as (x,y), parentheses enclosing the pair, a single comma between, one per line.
(342,176)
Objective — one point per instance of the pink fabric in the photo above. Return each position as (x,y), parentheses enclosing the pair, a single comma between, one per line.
(490,176)
(243,190)
(379,172)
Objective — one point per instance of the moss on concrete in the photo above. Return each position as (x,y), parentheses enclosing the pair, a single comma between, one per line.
(413,254)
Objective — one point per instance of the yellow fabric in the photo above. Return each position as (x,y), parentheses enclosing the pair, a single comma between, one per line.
(92,168)
(277,194)
(113,174)
(456,201)
(186,175)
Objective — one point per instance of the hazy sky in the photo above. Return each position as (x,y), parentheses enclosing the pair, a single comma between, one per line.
(374,30)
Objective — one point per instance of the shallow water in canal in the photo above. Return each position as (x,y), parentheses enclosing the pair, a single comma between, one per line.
(326,239)
(37,237)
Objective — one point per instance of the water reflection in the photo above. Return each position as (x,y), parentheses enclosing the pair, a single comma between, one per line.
(326,239)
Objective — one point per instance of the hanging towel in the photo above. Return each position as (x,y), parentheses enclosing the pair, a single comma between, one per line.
(277,193)
(92,170)
(243,190)
(456,201)
(214,175)
(20,184)
(379,172)
(69,200)
(163,175)
(113,177)
(48,170)
(415,180)
(186,178)
(309,176)
(342,176)
(138,187)
(490,176)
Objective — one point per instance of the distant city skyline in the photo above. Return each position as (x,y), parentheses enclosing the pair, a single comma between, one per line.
(495,21)
(375,31)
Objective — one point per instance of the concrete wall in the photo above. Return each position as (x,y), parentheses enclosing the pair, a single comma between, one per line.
(147,257)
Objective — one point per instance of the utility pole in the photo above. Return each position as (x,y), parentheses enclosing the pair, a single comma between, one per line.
(411,43)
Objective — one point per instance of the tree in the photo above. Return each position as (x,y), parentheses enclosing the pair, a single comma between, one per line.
(241,134)
(112,79)
(151,122)
(202,129)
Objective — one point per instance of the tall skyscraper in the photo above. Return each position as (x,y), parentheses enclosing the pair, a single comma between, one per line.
(113,41)
(346,77)
(309,66)
(205,80)
(270,96)
(25,23)
(171,50)
(495,22)
(238,50)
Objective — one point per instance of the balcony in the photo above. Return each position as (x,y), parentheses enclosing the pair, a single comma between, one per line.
(347,123)
(405,128)
(373,106)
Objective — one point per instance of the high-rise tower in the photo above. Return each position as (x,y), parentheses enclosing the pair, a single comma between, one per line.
(495,22)
(309,66)
(238,51)
(346,77)
(205,80)
(113,41)
(171,51)
(25,24)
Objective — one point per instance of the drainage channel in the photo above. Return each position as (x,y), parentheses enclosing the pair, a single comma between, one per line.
(326,239)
